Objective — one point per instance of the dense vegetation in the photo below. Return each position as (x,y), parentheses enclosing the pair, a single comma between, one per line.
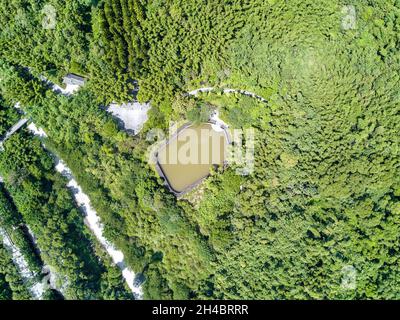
(324,194)
(59,228)
(12,223)
(43,202)
(12,286)
(49,35)
(8,116)
(137,213)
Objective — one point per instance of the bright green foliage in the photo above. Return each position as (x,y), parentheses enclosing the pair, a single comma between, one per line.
(324,195)
(45,35)
(140,217)
(45,204)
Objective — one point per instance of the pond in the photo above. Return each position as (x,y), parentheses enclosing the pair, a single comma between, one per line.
(188,156)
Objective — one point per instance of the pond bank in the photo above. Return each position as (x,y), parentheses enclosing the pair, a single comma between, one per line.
(186,158)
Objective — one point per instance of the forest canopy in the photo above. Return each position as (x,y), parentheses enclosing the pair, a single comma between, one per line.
(322,203)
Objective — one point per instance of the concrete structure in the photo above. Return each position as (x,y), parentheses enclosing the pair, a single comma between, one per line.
(13,129)
(212,89)
(73,80)
(131,115)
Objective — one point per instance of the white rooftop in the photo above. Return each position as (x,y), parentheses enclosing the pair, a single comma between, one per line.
(133,115)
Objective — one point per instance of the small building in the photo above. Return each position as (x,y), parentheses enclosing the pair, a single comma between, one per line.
(74,80)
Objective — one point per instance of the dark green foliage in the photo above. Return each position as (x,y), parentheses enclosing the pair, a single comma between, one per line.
(5,290)
(8,116)
(45,35)
(119,48)
(47,207)
(12,222)
(51,294)
(324,195)
(127,205)
(10,279)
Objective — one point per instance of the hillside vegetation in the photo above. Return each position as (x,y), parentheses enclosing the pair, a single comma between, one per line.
(324,195)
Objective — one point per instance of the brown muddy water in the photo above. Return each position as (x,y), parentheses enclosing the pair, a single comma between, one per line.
(188,156)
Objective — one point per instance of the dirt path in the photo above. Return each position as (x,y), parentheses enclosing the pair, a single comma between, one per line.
(228,90)
(91,218)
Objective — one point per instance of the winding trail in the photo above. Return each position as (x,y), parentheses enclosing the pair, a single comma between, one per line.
(227,90)
(92,220)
